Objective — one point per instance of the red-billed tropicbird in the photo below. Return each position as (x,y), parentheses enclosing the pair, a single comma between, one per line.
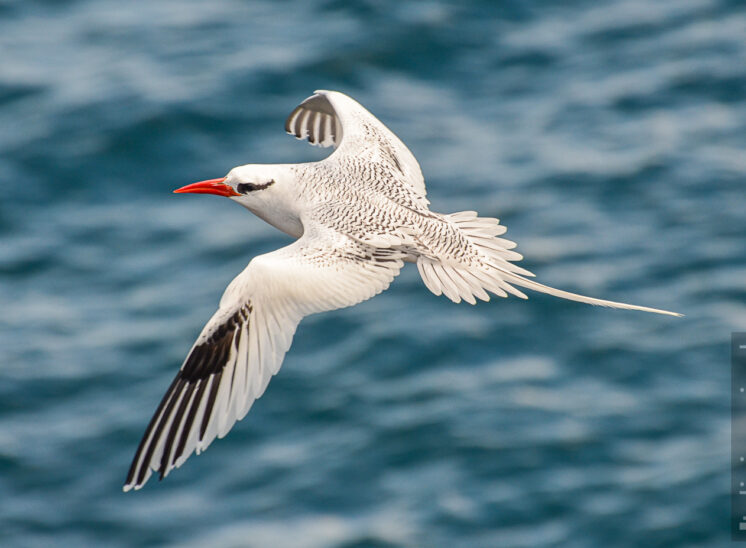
(358,216)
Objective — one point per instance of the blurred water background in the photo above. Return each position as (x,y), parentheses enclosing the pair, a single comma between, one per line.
(608,136)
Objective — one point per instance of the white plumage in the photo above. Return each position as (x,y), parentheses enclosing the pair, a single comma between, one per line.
(358,215)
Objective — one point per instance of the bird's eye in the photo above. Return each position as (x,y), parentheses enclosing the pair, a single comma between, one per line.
(245,188)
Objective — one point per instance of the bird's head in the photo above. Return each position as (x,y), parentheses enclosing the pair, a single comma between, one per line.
(247,184)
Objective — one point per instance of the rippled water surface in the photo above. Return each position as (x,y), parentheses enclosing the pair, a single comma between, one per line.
(608,136)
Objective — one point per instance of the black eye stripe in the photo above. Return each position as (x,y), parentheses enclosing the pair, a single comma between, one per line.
(243,188)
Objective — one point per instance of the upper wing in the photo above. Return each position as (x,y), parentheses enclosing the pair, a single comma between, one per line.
(332,118)
(243,344)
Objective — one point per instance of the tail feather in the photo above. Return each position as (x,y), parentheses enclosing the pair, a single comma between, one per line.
(541,288)
(498,275)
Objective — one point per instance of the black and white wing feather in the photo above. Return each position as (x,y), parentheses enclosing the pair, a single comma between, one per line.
(331,118)
(316,120)
(244,343)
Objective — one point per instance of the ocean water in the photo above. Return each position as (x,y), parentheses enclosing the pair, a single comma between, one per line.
(610,137)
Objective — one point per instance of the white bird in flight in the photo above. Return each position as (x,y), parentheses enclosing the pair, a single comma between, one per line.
(358,216)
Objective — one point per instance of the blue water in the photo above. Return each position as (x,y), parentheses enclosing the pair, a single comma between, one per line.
(608,136)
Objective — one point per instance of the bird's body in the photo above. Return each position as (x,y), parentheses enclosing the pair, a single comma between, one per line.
(358,215)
